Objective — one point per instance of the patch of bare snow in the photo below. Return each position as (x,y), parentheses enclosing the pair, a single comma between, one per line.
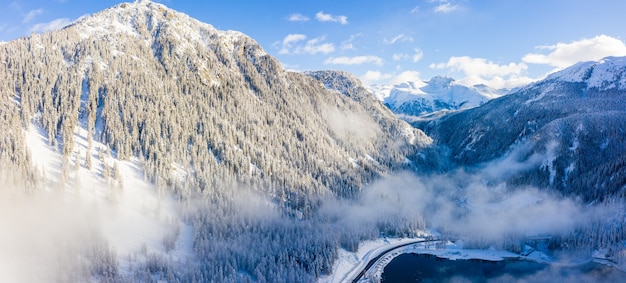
(129,213)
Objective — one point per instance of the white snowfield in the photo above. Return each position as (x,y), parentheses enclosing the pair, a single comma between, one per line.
(128,213)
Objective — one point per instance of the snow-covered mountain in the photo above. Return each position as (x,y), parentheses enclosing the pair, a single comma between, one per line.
(606,74)
(439,93)
(131,67)
(567,128)
(141,99)
(141,145)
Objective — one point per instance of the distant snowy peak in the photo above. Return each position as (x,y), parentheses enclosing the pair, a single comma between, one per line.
(607,73)
(490,92)
(439,93)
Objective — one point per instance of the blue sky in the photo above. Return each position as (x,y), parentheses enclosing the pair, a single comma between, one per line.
(502,43)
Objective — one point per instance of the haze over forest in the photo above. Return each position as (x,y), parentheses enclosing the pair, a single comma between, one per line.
(142,145)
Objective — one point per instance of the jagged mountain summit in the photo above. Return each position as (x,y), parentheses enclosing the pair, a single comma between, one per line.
(437,94)
(569,127)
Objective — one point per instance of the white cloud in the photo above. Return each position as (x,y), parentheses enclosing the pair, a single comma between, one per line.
(317,45)
(322,17)
(292,38)
(483,71)
(289,40)
(52,25)
(357,60)
(437,65)
(399,56)
(418,55)
(372,77)
(31,15)
(293,44)
(349,126)
(399,38)
(378,77)
(445,8)
(481,67)
(349,43)
(406,76)
(562,55)
(497,82)
(298,18)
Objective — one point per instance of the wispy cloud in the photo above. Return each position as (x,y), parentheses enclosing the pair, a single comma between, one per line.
(417,56)
(398,56)
(295,44)
(483,71)
(372,77)
(356,60)
(349,43)
(291,38)
(31,15)
(406,76)
(322,17)
(298,18)
(52,25)
(398,38)
(444,6)
(289,41)
(375,77)
(317,45)
(562,55)
(481,66)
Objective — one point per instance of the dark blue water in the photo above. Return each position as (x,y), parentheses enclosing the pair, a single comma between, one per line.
(429,268)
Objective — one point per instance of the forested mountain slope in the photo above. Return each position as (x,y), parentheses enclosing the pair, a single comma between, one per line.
(569,129)
(241,154)
(153,83)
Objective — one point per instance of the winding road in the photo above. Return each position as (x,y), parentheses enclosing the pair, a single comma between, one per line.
(382,254)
